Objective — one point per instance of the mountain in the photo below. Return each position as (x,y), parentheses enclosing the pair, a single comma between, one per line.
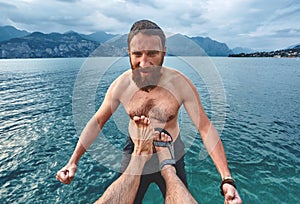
(293,46)
(177,45)
(296,47)
(73,44)
(238,50)
(180,45)
(99,36)
(40,45)
(212,47)
(114,47)
(9,32)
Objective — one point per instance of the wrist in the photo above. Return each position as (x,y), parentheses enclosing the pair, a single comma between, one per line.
(227,177)
(71,166)
(227,180)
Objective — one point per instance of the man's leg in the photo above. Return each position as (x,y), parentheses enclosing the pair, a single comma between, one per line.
(176,190)
(180,170)
(124,189)
(145,179)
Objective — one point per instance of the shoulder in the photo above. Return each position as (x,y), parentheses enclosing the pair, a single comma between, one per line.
(174,76)
(120,85)
(180,85)
(122,81)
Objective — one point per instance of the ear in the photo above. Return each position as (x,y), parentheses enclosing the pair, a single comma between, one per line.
(165,51)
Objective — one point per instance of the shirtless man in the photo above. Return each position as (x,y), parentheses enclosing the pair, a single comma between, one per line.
(156,92)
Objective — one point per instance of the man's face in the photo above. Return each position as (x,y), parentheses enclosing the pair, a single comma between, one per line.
(146,58)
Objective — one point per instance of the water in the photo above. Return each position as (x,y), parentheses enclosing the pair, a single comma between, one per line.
(39,129)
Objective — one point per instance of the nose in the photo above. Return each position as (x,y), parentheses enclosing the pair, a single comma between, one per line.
(144,61)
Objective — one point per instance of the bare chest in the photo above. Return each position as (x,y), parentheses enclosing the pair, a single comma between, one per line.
(158,104)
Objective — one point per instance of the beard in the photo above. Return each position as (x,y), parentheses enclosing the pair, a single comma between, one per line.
(148,82)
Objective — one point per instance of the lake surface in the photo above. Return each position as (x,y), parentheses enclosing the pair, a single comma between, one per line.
(45,103)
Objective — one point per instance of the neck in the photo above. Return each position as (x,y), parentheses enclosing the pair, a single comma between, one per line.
(148,88)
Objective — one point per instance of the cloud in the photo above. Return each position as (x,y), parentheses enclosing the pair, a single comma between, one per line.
(247,23)
(278,29)
(4,6)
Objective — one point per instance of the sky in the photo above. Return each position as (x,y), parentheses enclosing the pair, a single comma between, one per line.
(257,24)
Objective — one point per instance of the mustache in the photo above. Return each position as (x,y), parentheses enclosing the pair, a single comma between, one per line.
(147,69)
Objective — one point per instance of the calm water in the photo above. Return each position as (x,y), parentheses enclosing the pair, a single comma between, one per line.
(44,103)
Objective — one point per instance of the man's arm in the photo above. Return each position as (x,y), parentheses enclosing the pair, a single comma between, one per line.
(89,134)
(210,137)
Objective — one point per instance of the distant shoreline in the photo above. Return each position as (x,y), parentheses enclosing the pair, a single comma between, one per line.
(288,53)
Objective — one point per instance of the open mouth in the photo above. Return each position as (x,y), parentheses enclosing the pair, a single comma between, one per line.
(143,74)
(145,71)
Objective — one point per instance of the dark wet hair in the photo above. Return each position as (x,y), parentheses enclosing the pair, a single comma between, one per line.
(146,27)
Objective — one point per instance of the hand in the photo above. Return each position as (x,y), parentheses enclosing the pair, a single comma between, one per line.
(66,174)
(231,195)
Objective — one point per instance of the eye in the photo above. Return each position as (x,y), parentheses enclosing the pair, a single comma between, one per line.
(137,54)
(152,53)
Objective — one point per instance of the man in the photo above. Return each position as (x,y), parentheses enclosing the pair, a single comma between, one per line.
(157,92)
(124,189)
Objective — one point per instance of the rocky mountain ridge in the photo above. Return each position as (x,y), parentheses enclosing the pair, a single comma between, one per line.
(72,44)
(15,43)
(40,45)
(9,32)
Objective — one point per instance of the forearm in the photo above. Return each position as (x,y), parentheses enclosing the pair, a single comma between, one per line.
(216,151)
(124,189)
(87,137)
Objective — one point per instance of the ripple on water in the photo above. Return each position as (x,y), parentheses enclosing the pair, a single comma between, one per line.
(37,134)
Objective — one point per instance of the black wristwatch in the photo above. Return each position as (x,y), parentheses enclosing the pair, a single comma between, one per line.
(228,180)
